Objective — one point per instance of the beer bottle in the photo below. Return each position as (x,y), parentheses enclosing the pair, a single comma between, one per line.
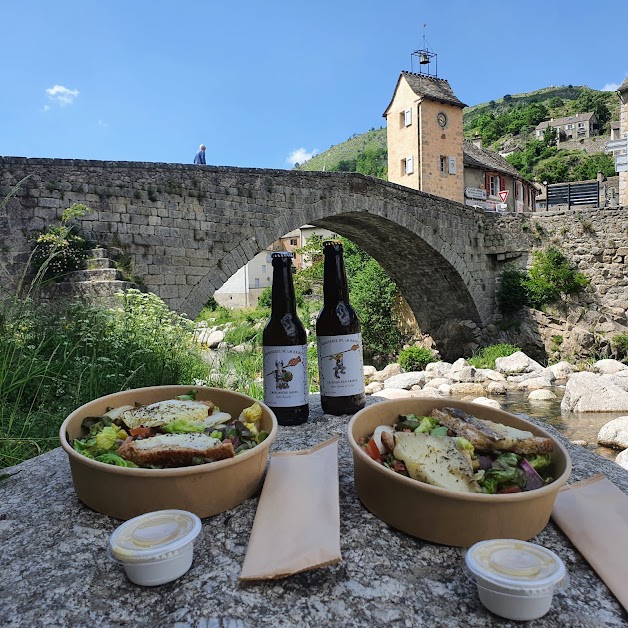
(286,389)
(339,340)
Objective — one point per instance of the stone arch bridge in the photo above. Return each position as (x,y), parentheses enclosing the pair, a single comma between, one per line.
(187,228)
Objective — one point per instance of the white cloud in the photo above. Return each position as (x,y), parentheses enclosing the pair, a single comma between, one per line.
(299,155)
(610,87)
(62,95)
(46,108)
(102,124)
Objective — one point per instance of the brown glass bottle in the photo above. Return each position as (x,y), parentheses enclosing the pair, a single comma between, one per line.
(339,340)
(286,389)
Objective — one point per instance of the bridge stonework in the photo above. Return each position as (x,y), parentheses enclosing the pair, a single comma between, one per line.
(187,229)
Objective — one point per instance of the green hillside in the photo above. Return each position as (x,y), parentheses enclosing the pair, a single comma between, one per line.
(506,124)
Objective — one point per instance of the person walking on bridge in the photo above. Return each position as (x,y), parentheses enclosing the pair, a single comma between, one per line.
(199,158)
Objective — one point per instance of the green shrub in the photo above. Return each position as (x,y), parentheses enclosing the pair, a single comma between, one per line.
(485,358)
(620,344)
(415,358)
(58,250)
(241,334)
(512,293)
(550,277)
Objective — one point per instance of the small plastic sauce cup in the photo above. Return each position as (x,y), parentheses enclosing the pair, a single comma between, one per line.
(515,579)
(156,547)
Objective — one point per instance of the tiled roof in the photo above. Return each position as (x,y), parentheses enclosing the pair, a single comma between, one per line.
(475,157)
(579,117)
(429,87)
(624,86)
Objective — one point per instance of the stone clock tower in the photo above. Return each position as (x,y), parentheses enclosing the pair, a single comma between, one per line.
(425,140)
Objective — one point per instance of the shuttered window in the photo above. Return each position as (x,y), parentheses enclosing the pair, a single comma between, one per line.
(407,117)
(452,165)
(409,166)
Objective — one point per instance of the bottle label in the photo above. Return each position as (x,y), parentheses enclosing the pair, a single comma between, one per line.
(340,366)
(285,376)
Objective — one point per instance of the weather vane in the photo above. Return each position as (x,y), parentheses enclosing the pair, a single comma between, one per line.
(424,58)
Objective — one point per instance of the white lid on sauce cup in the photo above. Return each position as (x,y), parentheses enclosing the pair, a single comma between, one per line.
(153,536)
(516,567)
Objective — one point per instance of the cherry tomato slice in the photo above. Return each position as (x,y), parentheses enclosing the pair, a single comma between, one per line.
(373,450)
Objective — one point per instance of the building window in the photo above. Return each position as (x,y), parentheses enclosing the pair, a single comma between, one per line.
(493,185)
(406,118)
(569,126)
(257,282)
(268,257)
(293,242)
(263,269)
(407,167)
(443,165)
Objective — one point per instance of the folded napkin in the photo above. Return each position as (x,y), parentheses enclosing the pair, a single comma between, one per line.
(594,515)
(297,523)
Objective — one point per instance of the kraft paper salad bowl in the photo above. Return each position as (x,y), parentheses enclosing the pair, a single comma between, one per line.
(440,515)
(204,489)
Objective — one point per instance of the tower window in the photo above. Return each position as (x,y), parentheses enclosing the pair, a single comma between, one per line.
(405,118)
(407,167)
(443,165)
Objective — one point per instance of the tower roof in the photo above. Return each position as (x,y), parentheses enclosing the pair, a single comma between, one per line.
(624,86)
(430,88)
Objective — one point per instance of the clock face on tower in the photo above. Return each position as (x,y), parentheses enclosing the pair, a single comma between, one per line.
(441,118)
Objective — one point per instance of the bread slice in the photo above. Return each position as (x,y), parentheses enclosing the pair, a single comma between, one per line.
(175,450)
(164,412)
(435,460)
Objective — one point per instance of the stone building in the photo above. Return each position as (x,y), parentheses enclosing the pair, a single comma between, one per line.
(576,127)
(427,150)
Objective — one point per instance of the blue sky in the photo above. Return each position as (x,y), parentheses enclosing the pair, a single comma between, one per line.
(263,82)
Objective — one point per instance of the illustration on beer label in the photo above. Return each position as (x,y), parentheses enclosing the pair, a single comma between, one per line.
(340,365)
(285,376)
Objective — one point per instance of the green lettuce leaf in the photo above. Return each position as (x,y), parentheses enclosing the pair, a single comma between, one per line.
(183,426)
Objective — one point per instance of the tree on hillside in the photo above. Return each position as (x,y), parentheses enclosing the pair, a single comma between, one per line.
(595,102)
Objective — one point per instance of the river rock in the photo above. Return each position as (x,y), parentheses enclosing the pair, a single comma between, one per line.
(561,370)
(437,381)
(215,338)
(392,393)
(369,371)
(622,459)
(608,367)
(445,389)
(580,443)
(243,348)
(373,387)
(468,388)
(497,388)
(460,363)
(491,403)
(429,392)
(437,369)
(518,362)
(614,433)
(588,392)
(534,383)
(541,395)
(406,380)
(386,372)
(619,379)
(465,374)
(488,375)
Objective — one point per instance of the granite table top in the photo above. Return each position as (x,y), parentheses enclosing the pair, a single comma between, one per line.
(54,570)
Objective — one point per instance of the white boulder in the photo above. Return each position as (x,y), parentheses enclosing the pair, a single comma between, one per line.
(485,401)
(561,370)
(215,338)
(518,362)
(386,372)
(622,459)
(488,375)
(608,367)
(437,369)
(393,393)
(369,370)
(465,374)
(469,388)
(497,388)
(534,383)
(445,389)
(541,394)
(373,387)
(619,379)
(406,380)
(614,433)
(588,392)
